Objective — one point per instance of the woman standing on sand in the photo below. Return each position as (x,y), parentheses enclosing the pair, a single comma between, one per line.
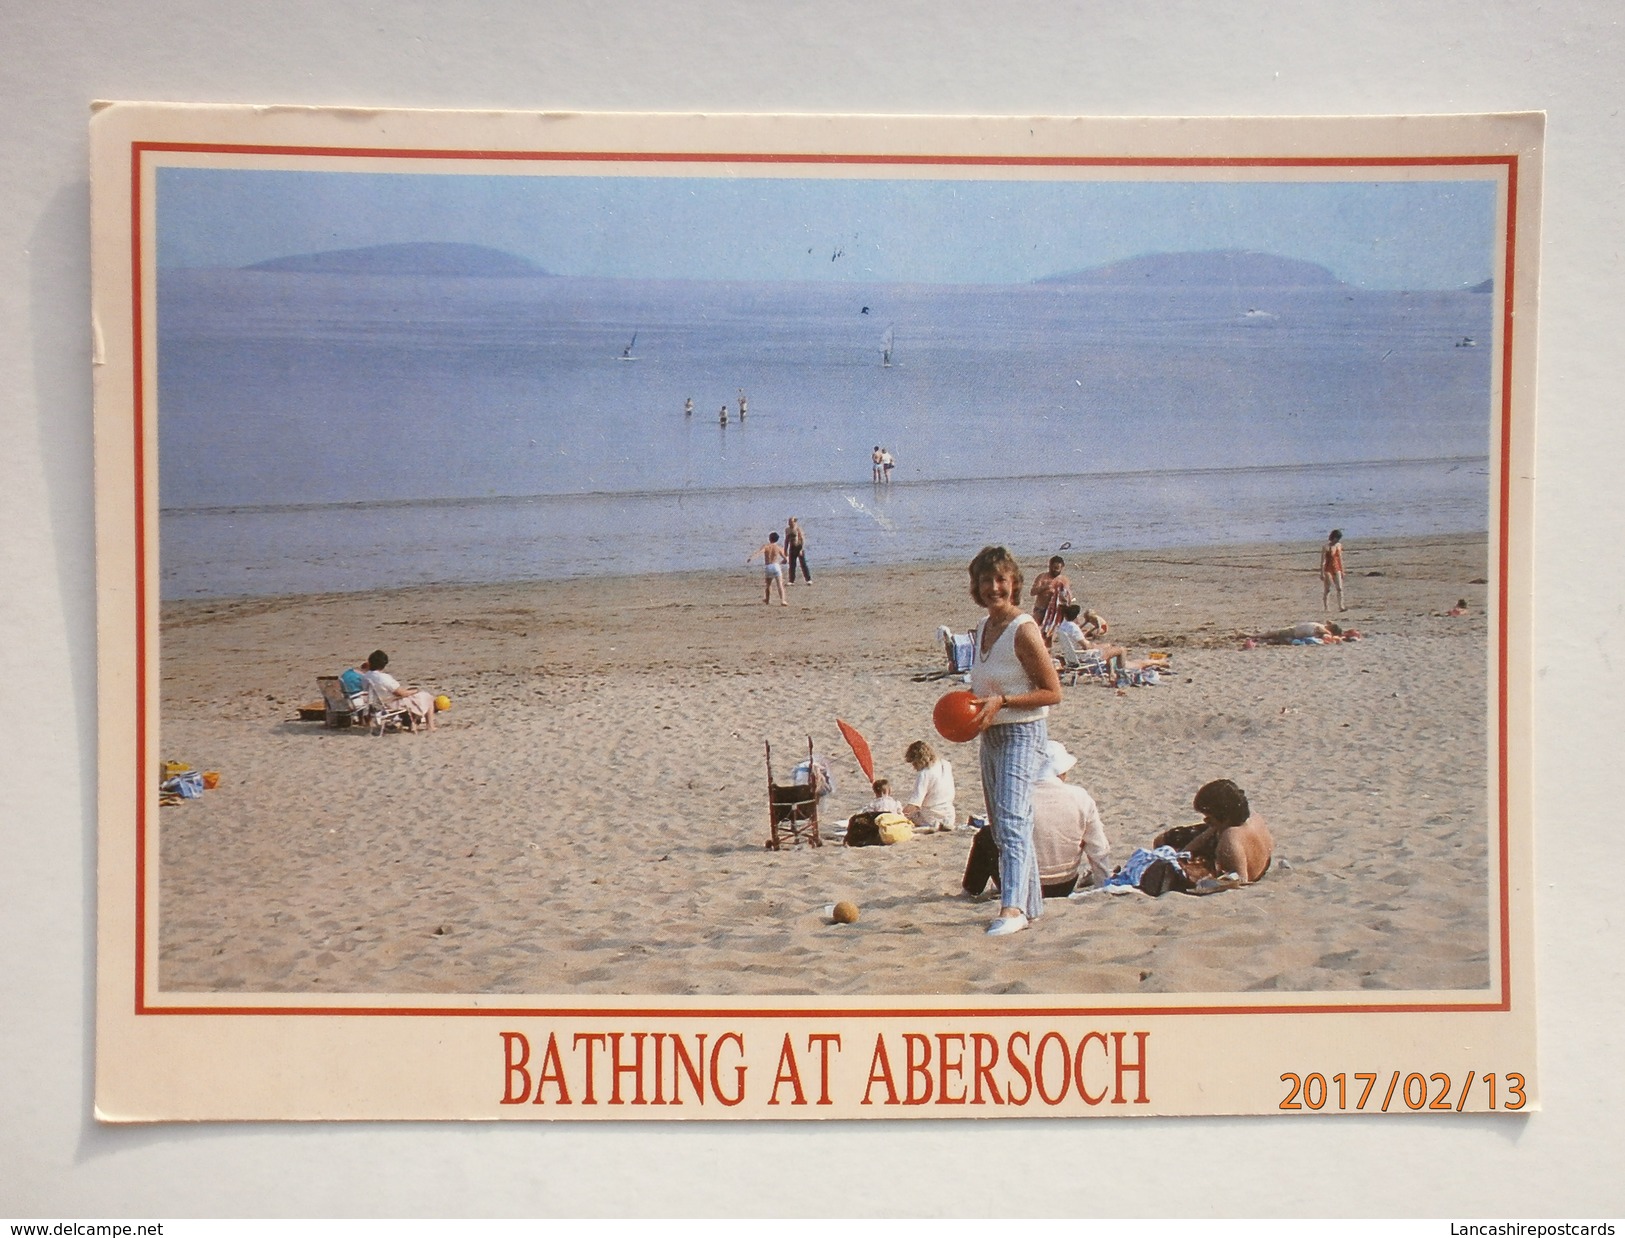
(1331,571)
(1014,683)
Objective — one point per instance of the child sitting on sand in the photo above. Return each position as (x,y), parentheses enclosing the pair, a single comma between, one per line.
(884,800)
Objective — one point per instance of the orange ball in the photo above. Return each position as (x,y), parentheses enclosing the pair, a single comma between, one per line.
(955,717)
(845,913)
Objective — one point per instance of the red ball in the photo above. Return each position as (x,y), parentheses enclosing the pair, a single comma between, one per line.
(955,717)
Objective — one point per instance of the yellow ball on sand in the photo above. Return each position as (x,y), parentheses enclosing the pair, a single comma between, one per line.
(442,703)
(846,913)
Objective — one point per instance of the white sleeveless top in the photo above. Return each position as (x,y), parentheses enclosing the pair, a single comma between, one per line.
(1001,673)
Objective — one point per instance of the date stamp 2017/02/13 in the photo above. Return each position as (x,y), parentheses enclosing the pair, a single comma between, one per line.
(1417,1091)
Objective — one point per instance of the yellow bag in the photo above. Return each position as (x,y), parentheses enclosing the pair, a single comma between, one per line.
(893,827)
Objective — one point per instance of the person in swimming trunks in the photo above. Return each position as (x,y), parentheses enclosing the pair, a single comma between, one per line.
(876,458)
(772,556)
(1051,594)
(1331,571)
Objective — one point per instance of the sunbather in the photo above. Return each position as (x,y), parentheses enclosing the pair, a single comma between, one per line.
(1232,841)
(1325,633)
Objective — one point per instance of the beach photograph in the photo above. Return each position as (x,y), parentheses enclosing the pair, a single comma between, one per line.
(527,539)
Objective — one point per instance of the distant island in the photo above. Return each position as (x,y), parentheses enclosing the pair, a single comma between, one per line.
(1220,268)
(443,258)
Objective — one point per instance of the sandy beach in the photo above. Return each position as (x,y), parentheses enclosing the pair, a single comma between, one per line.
(589,817)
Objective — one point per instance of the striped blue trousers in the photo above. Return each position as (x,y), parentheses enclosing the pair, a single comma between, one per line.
(1011,756)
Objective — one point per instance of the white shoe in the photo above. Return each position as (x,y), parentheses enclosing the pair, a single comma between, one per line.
(1005,925)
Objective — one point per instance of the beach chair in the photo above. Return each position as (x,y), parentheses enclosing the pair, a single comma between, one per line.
(386,712)
(792,808)
(958,649)
(340,709)
(1087,662)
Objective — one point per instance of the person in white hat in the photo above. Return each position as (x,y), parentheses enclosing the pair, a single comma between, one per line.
(1067,832)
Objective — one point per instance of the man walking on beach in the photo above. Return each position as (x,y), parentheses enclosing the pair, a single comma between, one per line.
(795,549)
(772,555)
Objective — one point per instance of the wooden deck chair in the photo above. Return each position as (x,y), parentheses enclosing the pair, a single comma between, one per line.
(339,708)
(792,809)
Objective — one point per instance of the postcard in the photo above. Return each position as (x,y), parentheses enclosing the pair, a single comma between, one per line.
(658,617)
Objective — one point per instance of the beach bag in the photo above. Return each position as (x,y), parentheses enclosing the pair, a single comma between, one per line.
(861,830)
(893,828)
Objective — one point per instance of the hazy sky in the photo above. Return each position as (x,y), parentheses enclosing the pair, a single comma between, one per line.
(1386,234)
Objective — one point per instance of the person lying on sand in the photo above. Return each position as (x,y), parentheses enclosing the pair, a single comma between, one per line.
(1325,633)
(1067,831)
(1233,843)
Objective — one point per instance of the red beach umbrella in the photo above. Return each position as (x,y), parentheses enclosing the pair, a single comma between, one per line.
(860,748)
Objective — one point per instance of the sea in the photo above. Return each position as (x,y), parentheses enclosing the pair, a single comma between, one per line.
(332,432)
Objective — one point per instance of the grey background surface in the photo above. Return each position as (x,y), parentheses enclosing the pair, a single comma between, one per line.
(1043,57)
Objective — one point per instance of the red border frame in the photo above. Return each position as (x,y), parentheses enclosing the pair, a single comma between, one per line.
(138,152)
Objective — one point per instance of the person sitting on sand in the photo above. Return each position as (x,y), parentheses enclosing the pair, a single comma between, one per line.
(1233,842)
(1325,633)
(1067,831)
(772,555)
(884,800)
(418,701)
(932,804)
(1094,627)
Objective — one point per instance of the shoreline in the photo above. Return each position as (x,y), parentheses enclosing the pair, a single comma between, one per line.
(589,816)
(181,609)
